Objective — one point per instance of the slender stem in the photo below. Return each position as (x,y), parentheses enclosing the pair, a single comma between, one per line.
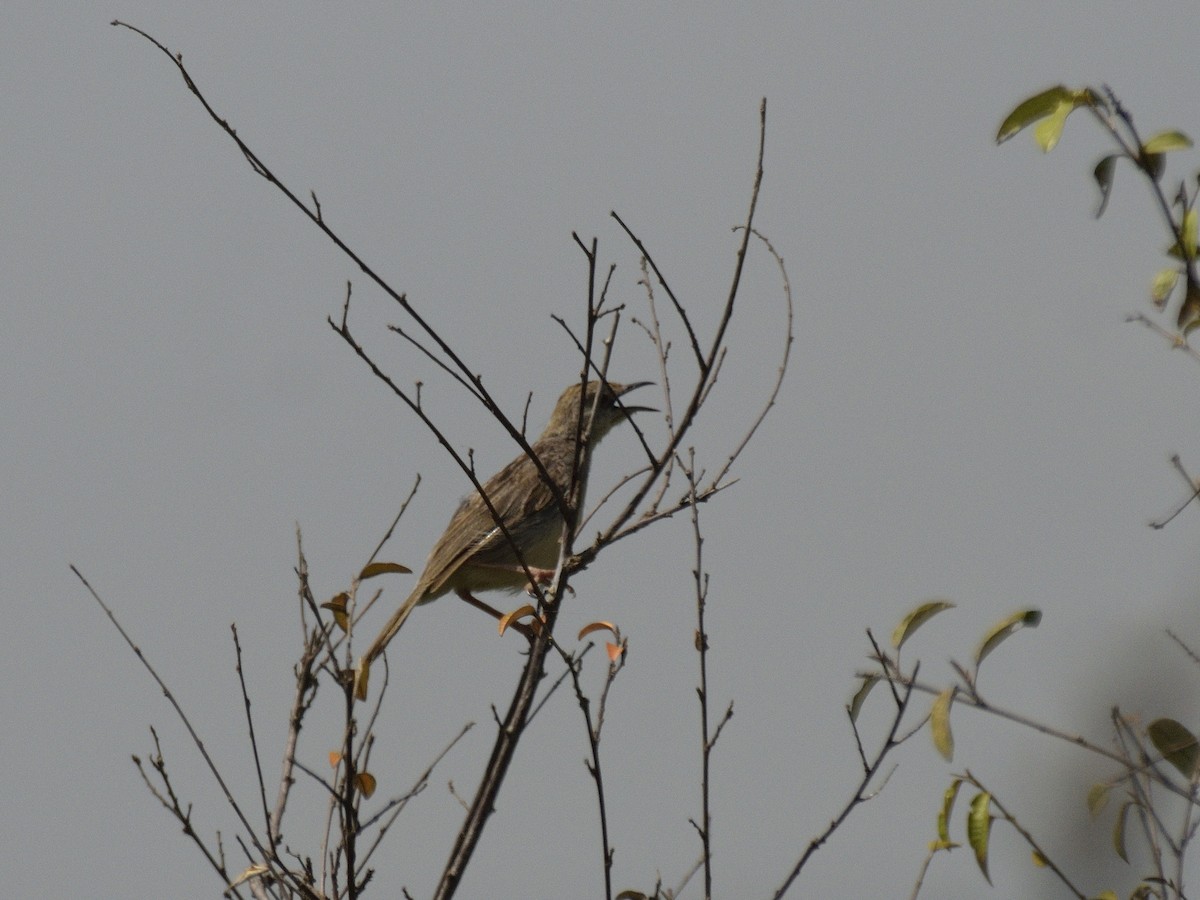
(706,740)
(1027,836)
(265,852)
(262,786)
(593,766)
(860,794)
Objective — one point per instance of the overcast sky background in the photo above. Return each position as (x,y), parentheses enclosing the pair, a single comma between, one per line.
(966,416)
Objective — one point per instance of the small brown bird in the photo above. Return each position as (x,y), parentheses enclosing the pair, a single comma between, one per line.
(473,554)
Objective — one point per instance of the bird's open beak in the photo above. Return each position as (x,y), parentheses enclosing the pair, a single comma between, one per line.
(630,387)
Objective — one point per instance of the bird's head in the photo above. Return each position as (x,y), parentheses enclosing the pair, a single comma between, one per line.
(609,411)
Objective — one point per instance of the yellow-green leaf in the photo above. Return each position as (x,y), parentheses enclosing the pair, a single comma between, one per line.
(1163,286)
(1103,173)
(979,830)
(337,606)
(1031,110)
(1039,860)
(1025,618)
(1097,797)
(1118,837)
(939,724)
(1189,234)
(382,568)
(1189,311)
(856,702)
(935,846)
(1050,129)
(948,798)
(1176,744)
(1106,895)
(1166,141)
(915,619)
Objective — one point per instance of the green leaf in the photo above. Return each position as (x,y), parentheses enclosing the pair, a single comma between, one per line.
(1163,286)
(1118,837)
(939,724)
(1176,744)
(1031,110)
(1166,141)
(979,830)
(916,619)
(856,702)
(1103,173)
(1097,797)
(1025,618)
(943,822)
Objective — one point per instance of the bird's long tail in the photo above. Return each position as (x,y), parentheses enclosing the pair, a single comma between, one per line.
(380,643)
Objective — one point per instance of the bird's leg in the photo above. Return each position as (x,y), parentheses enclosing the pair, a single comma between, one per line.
(544,577)
(549,596)
(494,613)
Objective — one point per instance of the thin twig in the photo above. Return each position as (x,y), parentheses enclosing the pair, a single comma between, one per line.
(262,786)
(265,852)
(700,579)
(973,700)
(171,803)
(1027,836)
(860,792)
(594,730)
(388,814)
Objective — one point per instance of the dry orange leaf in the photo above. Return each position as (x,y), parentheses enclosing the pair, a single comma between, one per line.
(614,651)
(335,758)
(365,782)
(597,626)
(519,613)
(382,568)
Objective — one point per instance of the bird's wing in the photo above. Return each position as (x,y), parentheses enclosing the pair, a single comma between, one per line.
(522,500)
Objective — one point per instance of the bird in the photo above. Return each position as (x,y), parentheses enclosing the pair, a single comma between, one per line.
(474,554)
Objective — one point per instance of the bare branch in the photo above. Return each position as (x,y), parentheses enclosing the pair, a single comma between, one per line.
(860,794)
(265,852)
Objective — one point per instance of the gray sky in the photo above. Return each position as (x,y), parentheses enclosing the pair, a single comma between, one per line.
(967,416)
